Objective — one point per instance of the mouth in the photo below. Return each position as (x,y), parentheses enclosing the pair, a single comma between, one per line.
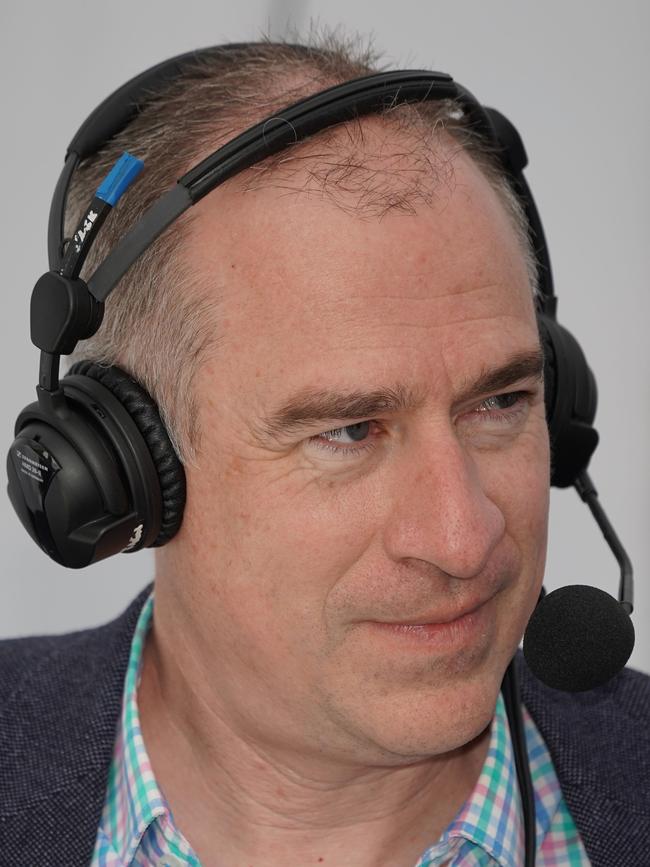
(441,631)
(438,618)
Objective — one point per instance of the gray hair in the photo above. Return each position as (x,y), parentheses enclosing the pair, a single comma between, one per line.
(161,321)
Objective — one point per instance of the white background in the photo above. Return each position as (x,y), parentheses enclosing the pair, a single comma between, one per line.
(573,78)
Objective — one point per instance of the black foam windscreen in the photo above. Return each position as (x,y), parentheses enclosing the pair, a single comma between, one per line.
(578,638)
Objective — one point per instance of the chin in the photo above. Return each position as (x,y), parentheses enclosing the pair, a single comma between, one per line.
(419,722)
(454,722)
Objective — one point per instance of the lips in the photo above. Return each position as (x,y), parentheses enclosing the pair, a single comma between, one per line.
(438,617)
(469,629)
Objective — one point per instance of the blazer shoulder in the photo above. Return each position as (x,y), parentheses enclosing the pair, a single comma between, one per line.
(599,738)
(22,658)
(627,695)
(27,661)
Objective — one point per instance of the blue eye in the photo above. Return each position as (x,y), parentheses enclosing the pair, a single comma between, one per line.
(514,405)
(352,433)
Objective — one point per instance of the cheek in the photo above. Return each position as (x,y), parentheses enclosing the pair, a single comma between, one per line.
(520,486)
(275,541)
(524,487)
(311,536)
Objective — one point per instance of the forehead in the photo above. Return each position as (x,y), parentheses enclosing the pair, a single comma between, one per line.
(307,289)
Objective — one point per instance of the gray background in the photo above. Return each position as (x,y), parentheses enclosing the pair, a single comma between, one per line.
(571,76)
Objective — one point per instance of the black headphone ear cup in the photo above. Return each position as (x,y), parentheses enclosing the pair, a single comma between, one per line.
(571,399)
(144,412)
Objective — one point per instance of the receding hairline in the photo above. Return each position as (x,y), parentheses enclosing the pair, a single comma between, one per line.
(293,181)
(323,164)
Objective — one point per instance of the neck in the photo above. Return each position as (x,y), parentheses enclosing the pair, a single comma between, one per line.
(241,799)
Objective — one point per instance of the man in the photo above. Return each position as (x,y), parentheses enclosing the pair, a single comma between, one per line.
(344,346)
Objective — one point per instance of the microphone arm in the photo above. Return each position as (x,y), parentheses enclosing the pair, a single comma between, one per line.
(585,487)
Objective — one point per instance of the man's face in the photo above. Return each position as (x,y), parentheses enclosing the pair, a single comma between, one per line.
(299,547)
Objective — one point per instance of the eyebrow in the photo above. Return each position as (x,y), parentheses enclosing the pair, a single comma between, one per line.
(309,406)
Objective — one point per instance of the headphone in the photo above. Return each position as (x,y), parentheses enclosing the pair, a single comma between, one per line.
(92,471)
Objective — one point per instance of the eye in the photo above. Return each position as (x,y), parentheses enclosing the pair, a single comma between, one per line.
(342,440)
(515,406)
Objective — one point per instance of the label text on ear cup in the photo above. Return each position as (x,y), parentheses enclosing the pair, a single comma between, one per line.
(136,535)
(35,462)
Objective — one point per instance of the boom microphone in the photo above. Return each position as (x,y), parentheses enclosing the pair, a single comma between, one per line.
(579,637)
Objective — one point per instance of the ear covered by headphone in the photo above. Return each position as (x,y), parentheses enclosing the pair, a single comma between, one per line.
(92,471)
(95,473)
(571,398)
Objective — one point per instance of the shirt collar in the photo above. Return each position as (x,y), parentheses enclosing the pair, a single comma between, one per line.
(134,797)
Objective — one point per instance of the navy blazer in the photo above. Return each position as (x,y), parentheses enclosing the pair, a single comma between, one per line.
(61,696)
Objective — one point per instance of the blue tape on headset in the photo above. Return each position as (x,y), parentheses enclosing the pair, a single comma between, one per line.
(119,179)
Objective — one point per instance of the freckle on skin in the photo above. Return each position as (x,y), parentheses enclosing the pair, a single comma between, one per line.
(235,464)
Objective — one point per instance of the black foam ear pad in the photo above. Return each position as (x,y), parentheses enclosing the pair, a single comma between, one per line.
(571,400)
(144,412)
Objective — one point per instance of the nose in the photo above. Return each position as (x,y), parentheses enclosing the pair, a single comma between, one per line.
(441,513)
